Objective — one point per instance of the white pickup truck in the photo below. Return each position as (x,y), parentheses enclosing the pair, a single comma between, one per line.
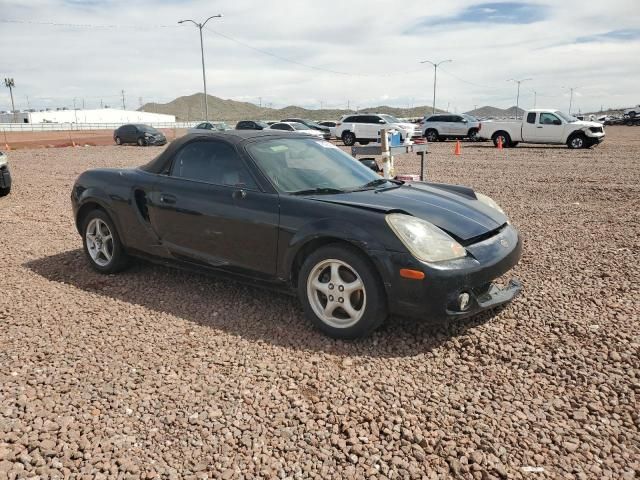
(544,126)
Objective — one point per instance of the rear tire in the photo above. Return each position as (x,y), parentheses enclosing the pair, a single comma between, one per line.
(102,244)
(5,191)
(341,292)
(118,141)
(473,134)
(348,138)
(142,142)
(432,135)
(506,139)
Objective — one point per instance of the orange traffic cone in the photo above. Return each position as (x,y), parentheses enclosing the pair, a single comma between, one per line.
(457,151)
(7,147)
(499,143)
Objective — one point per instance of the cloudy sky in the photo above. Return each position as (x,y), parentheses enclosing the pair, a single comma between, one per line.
(322,53)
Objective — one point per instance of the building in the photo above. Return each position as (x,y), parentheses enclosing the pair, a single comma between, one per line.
(100,115)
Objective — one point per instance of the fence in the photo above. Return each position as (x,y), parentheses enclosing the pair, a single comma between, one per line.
(50,127)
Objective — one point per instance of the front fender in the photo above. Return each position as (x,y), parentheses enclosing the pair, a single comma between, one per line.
(340,230)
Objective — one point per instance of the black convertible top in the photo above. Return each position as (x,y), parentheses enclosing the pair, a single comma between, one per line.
(235,137)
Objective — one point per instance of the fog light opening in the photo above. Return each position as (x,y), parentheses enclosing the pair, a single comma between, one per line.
(463,301)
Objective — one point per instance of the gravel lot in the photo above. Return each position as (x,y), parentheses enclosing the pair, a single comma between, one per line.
(160,373)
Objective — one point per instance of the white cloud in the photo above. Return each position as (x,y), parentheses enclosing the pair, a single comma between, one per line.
(52,65)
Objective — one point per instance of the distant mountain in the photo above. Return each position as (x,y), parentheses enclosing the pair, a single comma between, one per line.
(494,112)
(190,108)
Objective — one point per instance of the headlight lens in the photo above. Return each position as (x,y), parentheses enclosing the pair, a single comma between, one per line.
(3,160)
(489,201)
(424,240)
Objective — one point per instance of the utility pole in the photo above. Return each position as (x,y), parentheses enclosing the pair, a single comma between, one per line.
(518,95)
(28,104)
(123,105)
(10,84)
(204,76)
(101,104)
(260,100)
(571,89)
(435,77)
(140,101)
(348,105)
(75,112)
(535,99)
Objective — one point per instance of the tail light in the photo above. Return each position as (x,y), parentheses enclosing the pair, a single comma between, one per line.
(338,124)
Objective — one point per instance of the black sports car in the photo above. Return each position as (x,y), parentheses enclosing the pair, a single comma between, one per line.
(297,212)
(5,176)
(138,133)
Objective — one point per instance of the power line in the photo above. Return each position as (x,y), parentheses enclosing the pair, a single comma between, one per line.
(83,25)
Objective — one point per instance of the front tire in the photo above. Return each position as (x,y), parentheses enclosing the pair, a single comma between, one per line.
(341,292)
(142,142)
(504,137)
(5,191)
(348,138)
(102,244)
(118,141)
(577,141)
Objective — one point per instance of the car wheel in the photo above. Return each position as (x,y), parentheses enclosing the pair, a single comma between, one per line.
(431,135)
(348,138)
(341,292)
(473,135)
(102,243)
(364,142)
(577,141)
(5,191)
(501,137)
(118,141)
(514,144)
(142,142)
(632,114)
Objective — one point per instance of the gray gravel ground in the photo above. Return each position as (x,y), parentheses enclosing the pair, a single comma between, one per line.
(161,373)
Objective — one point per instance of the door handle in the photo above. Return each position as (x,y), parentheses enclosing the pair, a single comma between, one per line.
(168,199)
(538,127)
(239,194)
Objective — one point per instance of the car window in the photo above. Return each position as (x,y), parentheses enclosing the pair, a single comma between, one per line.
(548,118)
(281,126)
(241,125)
(295,164)
(433,118)
(374,119)
(531,117)
(212,162)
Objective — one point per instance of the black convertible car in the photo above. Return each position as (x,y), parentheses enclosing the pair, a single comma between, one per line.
(297,212)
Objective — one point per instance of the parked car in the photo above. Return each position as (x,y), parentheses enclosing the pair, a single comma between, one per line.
(544,126)
(211,126)
(442,126)
(139,134)
(632,112)
(5,175)
(331,126)
(251,125)
(365,127)
(299,214)
(296,127)
(311,125)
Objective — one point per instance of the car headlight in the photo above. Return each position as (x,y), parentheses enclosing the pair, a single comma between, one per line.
(424,240)
(489,201)
(3,160)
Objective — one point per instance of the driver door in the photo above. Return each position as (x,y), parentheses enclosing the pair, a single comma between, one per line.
(549,129)
(210,211)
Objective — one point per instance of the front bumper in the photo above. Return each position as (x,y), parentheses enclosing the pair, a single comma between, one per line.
(5,178)
(438,295)
(156,140)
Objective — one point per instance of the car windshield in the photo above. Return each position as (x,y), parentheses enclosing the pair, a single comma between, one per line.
(309,166)
(262,124)
(390,118)
(147,128)
(298,126)
(566,117)
(471,118)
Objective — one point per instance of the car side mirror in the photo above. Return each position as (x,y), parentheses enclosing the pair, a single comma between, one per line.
(381,121)
(557,122)
(465,121)
(370,163)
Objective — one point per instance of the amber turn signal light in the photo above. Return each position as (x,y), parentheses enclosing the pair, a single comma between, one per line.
(411,274)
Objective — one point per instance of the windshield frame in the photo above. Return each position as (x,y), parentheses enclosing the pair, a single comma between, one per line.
(389,118)
(565,116)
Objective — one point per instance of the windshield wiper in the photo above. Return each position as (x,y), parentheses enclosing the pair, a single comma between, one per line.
(310,191)
(379,181)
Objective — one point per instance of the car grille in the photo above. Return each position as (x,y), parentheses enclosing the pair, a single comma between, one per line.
(596,129)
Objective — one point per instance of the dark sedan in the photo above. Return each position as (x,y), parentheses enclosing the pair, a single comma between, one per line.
(5,176)
(139,134)
(326,131)
(300,214)
(251,125)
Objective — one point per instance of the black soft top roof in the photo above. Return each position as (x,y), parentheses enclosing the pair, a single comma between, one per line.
(235,137)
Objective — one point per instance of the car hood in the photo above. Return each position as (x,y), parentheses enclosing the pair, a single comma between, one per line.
(585,123)
(452,208)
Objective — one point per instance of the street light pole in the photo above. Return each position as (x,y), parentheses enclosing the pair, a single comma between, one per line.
(204,75)
(9,83)
(435,78)
(518,95)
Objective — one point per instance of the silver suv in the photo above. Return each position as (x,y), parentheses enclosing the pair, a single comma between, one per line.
(441,126)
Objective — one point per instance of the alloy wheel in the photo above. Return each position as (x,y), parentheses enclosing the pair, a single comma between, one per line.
(336,293)
(99,241)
